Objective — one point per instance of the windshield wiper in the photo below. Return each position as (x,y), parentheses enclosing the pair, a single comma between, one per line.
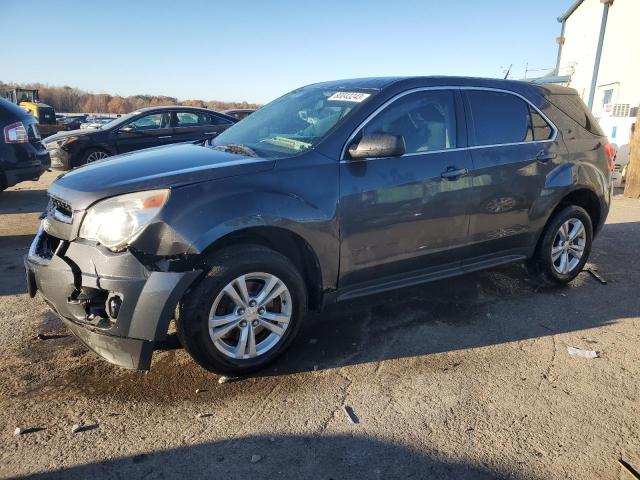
(237,149)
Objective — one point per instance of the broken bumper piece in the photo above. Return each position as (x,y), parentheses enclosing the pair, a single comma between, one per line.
(110,301)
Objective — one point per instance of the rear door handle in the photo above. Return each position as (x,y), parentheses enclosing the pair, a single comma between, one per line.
(452,173)
(165,136)
(545,157)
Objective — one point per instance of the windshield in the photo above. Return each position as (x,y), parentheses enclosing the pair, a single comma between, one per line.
(291,124)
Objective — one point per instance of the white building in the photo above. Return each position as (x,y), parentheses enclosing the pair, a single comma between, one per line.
(599,56)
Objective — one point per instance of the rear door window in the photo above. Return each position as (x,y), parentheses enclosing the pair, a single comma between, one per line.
(188,119)
(498,118)
(426,120)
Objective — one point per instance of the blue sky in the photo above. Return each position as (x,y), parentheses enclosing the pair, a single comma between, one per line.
(256,50)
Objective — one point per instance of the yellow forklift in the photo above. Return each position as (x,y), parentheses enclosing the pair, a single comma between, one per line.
(28,99)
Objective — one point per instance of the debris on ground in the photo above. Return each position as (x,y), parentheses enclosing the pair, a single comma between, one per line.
(200,390)
(224,379)
(49,336)
(594,273)
(25,431)
(579,352)
(204,415)
(353,418)
(256,458)
(629,469)
(81,427)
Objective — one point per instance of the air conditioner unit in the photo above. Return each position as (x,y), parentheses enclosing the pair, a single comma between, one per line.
(620,110)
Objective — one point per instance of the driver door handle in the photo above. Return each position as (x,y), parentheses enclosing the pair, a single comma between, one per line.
(165,136)
(453,173)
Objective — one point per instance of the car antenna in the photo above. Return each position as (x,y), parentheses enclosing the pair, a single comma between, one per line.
(506,75)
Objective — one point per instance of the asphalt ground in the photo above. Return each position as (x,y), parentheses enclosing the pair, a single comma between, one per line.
(464,378)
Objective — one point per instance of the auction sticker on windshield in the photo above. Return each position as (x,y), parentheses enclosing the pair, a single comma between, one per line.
(349,96)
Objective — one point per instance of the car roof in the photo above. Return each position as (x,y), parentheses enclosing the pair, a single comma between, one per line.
(175,107)
(11,109)
(380,83)
(236,110)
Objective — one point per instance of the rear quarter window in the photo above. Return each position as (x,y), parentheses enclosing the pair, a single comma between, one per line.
(573,107)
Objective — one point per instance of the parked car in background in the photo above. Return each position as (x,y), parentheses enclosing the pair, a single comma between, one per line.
(333,191)
(22,155)
(96,122)
(622,158)
(71,123)
(239,113)
(148,127)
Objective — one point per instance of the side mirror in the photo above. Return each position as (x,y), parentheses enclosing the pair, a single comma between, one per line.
(378,145)
(126,129)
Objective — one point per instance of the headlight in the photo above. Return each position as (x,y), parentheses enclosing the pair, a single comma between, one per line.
(60,143)
(116,221)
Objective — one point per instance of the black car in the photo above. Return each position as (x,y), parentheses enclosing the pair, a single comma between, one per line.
(144,128)
(22,155)
(331,192)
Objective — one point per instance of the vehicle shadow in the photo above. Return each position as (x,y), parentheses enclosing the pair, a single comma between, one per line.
(12,251)
(479,309)
(309,457)
(23,201)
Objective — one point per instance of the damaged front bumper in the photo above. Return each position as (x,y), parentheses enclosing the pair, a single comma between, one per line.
(112,302)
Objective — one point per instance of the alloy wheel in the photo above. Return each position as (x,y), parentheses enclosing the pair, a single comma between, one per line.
(93,156)
(250,315)
(568,246)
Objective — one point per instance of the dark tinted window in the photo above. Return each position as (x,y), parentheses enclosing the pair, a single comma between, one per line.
(573,106)
(199,119)
(215,120)
(498,118)
(541,129)
(426,120)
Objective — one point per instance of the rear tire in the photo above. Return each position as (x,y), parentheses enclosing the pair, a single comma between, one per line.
(234,295)
(564,247)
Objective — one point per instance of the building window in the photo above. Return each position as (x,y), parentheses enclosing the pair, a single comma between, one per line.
(607,97)
(614,131)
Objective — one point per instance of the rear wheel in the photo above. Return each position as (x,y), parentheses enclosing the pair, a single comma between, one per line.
(245,312)
(564,247)
(92,155)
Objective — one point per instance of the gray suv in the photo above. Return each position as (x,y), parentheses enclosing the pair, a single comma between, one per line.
(333,191)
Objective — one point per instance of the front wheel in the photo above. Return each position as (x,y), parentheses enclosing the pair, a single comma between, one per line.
(245,312)
(93,155)
(564,247)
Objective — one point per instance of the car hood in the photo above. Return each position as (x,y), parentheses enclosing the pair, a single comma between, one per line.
(161,167)
(68,133)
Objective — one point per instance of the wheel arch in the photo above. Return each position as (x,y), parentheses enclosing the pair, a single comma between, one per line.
(585,198)
(285,242)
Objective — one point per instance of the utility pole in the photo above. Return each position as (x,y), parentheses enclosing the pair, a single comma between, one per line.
(596,65)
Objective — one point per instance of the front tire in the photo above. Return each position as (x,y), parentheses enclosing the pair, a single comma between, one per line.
(93,155)
(245,312)
(564,247)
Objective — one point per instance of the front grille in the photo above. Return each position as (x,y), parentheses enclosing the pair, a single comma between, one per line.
(59,210)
